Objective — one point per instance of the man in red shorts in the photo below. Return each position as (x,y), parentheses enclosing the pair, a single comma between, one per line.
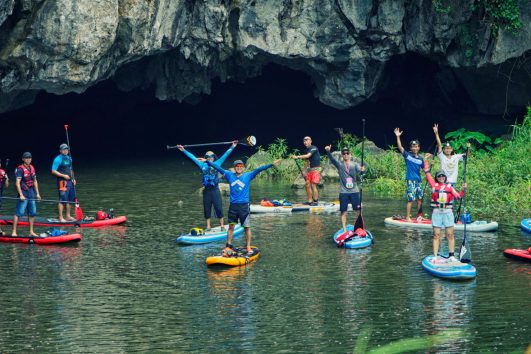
(312,169)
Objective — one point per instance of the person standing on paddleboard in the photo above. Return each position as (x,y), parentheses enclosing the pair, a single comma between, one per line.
(4,182)
(62,169)
(28,191)
(211,193)
(239,209)
(449,161)
(441,202)
(312,169)
(349,192)
(413,180)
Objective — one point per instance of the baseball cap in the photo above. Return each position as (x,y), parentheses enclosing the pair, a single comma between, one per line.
(238,162)
(63,147)
(26,155)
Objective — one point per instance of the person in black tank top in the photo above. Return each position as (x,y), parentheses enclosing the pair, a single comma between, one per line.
(312,170)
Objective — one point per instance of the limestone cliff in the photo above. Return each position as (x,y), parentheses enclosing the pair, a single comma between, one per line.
(180,46)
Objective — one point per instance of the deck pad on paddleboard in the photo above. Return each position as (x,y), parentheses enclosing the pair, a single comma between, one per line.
(240,259)
(321,207)
(213,235)
(449,269)
(476,226)
(40,240)
(42,221)
(356,241)
(521,255)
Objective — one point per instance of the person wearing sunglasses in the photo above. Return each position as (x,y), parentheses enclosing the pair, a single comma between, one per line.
(239,209)
(349,192)
(413,180)
(441,202)
(211,177)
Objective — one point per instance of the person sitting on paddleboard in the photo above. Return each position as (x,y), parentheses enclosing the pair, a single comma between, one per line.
(442,216)
(239,210)
(413,180)
(4,182)
(449,161)
(62,169)
(312,169)
(28,191)
(348,168)
(211,193)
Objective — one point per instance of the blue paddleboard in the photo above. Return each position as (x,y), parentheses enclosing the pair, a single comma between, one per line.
(215,234)
(449,270)
(356,241)
(526,225)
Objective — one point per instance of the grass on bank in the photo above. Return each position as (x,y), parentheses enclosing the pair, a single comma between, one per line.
(498,172)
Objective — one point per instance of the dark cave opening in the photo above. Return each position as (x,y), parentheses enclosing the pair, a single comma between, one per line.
(106,122)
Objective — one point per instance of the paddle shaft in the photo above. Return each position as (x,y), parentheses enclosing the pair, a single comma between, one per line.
(360,223)
(248,141)
(70,153)
(39,200)
(465,244)
(300,169)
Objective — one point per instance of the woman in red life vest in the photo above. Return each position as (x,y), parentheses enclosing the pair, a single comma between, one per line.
(441,202)
(4,182)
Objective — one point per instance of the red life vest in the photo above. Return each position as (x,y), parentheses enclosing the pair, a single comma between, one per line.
(442,197)
(28,179)
(2,177)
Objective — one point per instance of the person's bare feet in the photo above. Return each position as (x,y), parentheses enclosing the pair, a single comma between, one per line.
(69,218)
(33,234)
(408,220)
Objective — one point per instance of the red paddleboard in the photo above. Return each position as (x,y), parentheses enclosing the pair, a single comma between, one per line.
(41,221)
(39,240)
(521,255)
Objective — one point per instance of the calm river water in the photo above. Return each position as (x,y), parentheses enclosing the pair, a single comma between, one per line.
(132,289)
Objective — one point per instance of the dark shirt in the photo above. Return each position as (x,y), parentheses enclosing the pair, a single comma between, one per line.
(315,158)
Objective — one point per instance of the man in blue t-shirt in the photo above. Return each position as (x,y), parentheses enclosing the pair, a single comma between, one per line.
(239,211)
(414,164)
(62,169)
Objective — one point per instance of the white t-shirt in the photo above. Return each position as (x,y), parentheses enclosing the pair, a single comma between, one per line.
(450,165)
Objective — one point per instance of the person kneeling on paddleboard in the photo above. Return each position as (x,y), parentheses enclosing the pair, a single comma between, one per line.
(239,210)
(348,168)
(441,202)
(211,193)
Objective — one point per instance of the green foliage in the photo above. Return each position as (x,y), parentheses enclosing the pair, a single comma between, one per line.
(478,141)
(504,14)
(278,149)
(350,141)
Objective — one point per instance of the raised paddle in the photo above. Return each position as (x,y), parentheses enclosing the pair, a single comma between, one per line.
(78,210)
(420,213)
(300,169)
(247,141)
(360,222)
(38,200)
(465,254)
(458,213)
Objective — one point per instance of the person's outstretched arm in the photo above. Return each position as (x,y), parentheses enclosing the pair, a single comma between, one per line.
(191,156)
(331,157)
(398,142)
(437,138)
(222,159)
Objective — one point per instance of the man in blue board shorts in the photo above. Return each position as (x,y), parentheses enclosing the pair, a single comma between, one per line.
(414,164)
(62,169)
(239,210)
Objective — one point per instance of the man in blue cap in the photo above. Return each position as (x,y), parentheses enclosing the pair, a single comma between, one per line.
(62,169)
(28,191)
(239,210)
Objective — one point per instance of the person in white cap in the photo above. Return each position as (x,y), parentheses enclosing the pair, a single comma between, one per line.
(28,192)
(62,169)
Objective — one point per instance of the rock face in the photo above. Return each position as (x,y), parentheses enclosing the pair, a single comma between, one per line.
(180,46)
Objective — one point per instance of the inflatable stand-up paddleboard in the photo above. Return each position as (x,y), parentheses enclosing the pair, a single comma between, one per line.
(239,259)
(42,221)
(41,240)
(213,235)
(476,226)
(449,270)
(526,225)
(521,255)
(344,240)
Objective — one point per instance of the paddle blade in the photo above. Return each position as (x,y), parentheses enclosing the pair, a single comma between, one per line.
(249,141)
(66,126)
(465,255)
(360,223)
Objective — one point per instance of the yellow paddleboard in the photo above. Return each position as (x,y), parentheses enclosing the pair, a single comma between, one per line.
(234,261)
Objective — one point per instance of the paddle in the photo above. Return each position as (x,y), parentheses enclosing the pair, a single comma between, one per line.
(300,169)
(78,210)
(360,223)
(465,254)
(38,200)
(458,213)
(420,213)
(247,141)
